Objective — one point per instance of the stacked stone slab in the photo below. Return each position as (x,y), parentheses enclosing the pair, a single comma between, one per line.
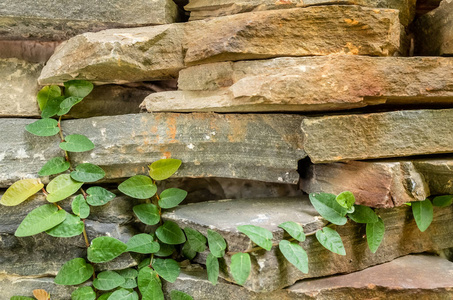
(265,93)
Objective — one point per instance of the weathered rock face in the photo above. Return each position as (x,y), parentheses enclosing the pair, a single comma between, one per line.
(308,84)
(202,9)
(118,56)
(317,30)
(437,173)
(11,285)
(60,20)
(411,277)
(256,147)
(270,271)
(434,31)
(379,135)
(31,51)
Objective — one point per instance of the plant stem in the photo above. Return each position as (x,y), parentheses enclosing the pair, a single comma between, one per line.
(85,236)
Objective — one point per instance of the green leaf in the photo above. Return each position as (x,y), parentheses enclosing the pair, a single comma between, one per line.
(87,173)
(54,166)
(77,143)
(71,226)
(43,127)
(178,295)
(20,191)
(147,213)
(294,230)
(423,214)
(130,277)
(77,88)
(138,187)
(331,240)
(73,272)
(328,208)
(149,285)
(105,296)
(212,266)
(67,104)
(104,249)
(188,252)
(98,196)
(443,201)
(363,214)
(108,280)
(168,269)
(21,298)
(165,250)
(346,199)
(196,240)
(170,233)
(84,293)
(260,236)
(61,187)
(164,168)
(375,234)
(217,244)
(142,243)
(240,267)
(170,198)
(52,107)
(80,207)
(123,294)
(144,263)
(295,254)
(40,219)
(47,93)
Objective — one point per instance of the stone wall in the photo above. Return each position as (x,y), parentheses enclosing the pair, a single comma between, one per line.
(264,101)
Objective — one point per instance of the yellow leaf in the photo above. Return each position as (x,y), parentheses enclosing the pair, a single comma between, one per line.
(41,295)
(21,191)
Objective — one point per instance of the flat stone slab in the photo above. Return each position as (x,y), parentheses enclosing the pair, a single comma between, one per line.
(31,51)
(118,56)
(11,285)
(60,20)
(316,30)
(255,147)
(309,84)
(202,9)
(411,277)
(434,31)
(270,271)
(378,135)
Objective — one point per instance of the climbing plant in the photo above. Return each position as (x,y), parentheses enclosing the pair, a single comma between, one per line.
(166,244)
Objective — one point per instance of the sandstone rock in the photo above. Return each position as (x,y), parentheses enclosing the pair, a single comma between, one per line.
(255,147)
(378,135)
(118,56)
(31,51)
(434,31)
(11,285)
(309,84)
(201,9)
(411,277)
(437,173)
(60,20)
(270,271)
(317,30)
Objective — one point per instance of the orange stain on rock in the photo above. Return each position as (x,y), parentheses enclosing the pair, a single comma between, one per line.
(171,129)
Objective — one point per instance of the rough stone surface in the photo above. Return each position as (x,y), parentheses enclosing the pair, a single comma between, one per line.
(202,9)
(309,84)
(317,30)
(378,135)
(60,20)
(434,31)
(31,51)
(410,277)
(255,147)
(118,56)
(270,271)
(11,285)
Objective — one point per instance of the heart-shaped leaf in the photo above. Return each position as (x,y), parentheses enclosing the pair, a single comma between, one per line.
(73,272)
(130,277)
(40,219)
(123,294)
(170,198)
(20,191)
(168,269)
(67,104)
(149,284)
(217,244)
(326,205)
(240,267)
(147,213)
(295,254)
(363,214)
(423,214)
(77,88)
(105,296)
(104,249)
(84,293)
(71,226)
(61,187)
(212,266)
(165,250)
(188,252)
(52,107)
(178,295)
(43,127)
(164,168)
(47,93)
(260,236)
(346,199)
(294,230)
(98,196)
(138,187)
(108,280)
(331,240)
(80,207)
(87,173)
(170,233)
(77,143)
(54,166)
(375,234)
(142,243)
(196,240)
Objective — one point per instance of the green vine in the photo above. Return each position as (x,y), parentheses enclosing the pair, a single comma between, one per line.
(168,243)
